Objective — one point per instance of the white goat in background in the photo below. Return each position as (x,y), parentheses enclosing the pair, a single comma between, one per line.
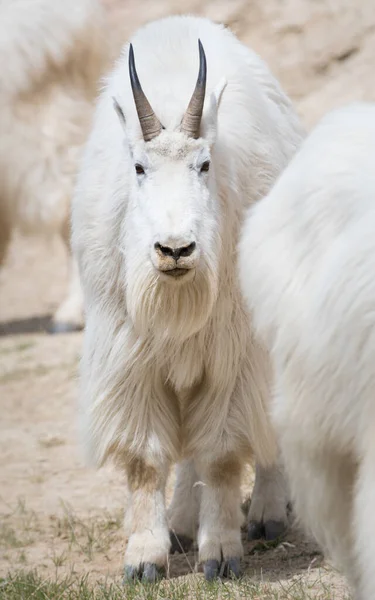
(52,55)
(307,269)
(170,368)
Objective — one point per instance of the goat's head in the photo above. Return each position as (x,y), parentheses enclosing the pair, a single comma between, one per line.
(172,230)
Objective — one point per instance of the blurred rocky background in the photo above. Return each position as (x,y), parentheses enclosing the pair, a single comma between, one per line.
(322,51)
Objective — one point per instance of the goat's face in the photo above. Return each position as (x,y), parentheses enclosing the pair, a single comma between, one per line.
(172,225)
(173,205)
(171,233)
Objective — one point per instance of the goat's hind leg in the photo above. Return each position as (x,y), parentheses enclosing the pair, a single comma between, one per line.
(183,512)
(364,523)
(322,491)
(69,315)
(220,519)
(268,513)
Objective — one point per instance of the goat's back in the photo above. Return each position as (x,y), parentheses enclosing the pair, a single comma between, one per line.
(52,55)
(307,264)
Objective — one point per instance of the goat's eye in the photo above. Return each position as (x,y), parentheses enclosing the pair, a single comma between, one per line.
(139,169)
(205,166)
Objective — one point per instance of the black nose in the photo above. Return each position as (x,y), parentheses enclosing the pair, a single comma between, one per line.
(176,253)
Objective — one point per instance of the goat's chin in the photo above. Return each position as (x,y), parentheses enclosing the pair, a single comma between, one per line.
(170,309)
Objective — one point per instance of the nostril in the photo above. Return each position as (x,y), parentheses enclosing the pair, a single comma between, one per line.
(166,250)
(176,253)
(185,250)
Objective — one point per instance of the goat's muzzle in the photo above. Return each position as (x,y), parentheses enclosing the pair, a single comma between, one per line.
(175,260)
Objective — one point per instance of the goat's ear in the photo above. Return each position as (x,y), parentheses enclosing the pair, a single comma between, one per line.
(210,122)
(119,112)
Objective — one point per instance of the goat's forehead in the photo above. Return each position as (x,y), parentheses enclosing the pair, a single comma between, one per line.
(174,146)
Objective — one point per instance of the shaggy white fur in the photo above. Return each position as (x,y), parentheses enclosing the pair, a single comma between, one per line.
(170,367)
(307,269)
(52,56)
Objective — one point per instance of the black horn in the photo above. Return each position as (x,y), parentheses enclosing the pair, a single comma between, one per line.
(192,118)
(150,124)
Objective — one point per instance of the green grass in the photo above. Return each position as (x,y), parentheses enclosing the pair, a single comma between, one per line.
(18,528)
(24,585)
(89,535)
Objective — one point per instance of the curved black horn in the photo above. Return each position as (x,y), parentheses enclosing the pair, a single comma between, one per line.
(192,118)
(150,124)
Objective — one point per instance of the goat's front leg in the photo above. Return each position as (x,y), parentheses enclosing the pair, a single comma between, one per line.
(69,315)
(146,521)
(219,535)
(268,514)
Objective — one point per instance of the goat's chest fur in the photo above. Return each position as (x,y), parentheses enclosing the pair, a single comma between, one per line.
(184,367)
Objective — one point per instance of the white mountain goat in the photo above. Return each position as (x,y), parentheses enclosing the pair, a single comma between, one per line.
(307,268)
(170,368)
(52,55)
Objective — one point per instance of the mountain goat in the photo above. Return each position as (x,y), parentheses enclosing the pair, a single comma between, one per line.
(52,55)
(307,264)
(170,370)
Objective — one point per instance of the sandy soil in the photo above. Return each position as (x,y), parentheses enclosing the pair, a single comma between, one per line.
(56,514)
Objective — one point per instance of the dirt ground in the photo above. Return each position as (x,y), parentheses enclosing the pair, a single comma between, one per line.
(56,514)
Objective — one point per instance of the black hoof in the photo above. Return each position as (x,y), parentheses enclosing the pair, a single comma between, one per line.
(255,530)
(55,327)
(270,530)
(229,569)
(130,574)
(211,569)
(180,543)
(232,568)
(150,573)
(274,529)
(146,572)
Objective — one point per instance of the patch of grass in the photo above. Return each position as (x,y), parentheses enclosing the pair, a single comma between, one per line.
(37,478)
(51,441)
(89,535)
(58,560)
(25,585)
(264,546)
(21,347)
(37,371)
(9,537)
(18,374)
(17,528)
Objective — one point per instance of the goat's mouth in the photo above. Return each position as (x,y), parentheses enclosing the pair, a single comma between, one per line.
(177,274)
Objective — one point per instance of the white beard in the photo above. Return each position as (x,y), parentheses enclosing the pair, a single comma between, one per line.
(170,311)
